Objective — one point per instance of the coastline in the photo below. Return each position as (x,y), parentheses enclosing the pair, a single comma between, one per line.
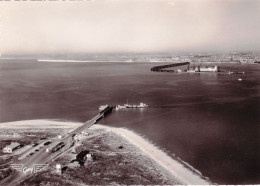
(39,124)
(122,61)
(78,61)
(176,169)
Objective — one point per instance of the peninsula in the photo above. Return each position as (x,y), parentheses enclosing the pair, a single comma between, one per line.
(100,155)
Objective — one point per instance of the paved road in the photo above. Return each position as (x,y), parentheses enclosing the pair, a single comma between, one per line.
(43,157)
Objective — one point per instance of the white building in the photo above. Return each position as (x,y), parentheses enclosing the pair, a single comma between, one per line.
(9,148)
(209,69)
(58,168)
(247,60)
(89,157)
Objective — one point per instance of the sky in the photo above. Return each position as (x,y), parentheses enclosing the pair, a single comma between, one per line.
(101,26)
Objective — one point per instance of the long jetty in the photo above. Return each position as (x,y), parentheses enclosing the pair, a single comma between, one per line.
(42,158)
(91,122)
(162,68)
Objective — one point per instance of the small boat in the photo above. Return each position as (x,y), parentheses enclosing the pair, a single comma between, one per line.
(239,79)
(120,107)
(141,105)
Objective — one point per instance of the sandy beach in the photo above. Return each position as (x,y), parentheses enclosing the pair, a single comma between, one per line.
(39,124)
(177,169)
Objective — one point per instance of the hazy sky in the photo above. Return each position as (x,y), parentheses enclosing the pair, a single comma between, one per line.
(129,26)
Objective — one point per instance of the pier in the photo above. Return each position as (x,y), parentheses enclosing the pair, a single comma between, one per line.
(163,68)
(43,157)
(91,122)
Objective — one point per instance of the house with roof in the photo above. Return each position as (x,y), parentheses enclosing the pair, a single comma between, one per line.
(10,148)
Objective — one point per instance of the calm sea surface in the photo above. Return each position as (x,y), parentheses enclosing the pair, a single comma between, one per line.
(209,120)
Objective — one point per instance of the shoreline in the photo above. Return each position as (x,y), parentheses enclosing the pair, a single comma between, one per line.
(113,61)
(178,170)
(39,124)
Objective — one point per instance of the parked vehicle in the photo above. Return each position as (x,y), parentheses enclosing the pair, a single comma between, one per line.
(58,147)
(47,143)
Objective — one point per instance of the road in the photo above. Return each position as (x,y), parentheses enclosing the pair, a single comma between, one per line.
(43,157)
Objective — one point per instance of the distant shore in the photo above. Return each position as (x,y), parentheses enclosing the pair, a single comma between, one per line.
(119,61)
(122,61)
(176,169)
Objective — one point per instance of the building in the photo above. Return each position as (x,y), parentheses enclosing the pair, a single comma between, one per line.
(209,69)
(247,60)
(203,69)
(7,150)
(10,148)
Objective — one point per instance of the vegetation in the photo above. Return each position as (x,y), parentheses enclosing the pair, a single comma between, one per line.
(46,179)
(115,162)
(4,173)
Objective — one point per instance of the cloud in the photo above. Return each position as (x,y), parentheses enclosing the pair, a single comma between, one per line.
(129,26)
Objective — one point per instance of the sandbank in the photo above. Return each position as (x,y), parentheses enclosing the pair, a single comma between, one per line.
(39,124)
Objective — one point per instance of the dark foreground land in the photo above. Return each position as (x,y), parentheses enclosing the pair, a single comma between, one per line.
(113,161)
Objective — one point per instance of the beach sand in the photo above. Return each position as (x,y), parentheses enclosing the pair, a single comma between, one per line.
(177,169)
(39,124)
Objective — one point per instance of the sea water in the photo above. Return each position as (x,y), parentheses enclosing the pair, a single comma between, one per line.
(209,120)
